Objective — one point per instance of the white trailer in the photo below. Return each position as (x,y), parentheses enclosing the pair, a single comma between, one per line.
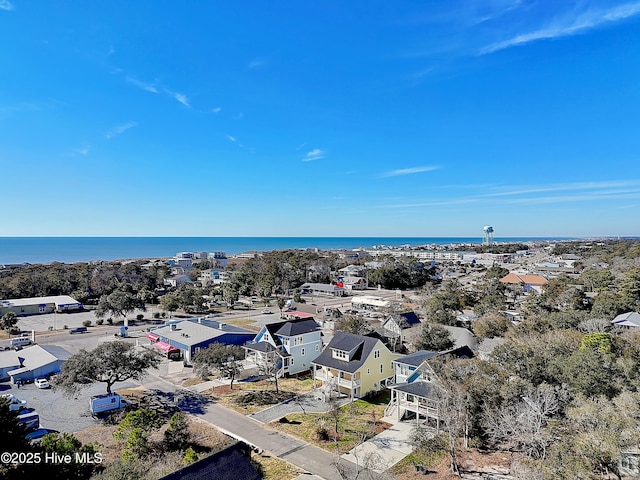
(107,403)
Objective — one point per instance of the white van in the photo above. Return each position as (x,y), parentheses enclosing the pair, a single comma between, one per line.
(22,341)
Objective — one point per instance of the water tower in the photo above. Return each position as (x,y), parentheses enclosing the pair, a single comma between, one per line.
(487,238)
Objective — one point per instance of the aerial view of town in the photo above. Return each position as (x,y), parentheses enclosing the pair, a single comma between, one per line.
(320,240)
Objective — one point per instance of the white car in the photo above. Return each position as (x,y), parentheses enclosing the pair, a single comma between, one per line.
(41,383)
(15,404)
(266,311)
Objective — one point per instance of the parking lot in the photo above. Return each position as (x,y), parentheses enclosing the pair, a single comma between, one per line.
(56,411)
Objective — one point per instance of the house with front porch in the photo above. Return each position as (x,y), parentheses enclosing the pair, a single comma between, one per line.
(416,392)
(295,343)
(353,365)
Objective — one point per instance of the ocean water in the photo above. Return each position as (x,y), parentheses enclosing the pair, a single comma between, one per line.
(83,249)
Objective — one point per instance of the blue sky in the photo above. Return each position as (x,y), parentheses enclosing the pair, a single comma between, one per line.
(319,118)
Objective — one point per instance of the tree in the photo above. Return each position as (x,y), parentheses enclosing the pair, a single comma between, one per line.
(134,431)
(353,324)
(226,359)
(8,321)
(176,436)
(491,326)
(109,363)
(435,338)
(230,293)
(119,304)
(169,302)
(281,303)
(630,287)
(269,366)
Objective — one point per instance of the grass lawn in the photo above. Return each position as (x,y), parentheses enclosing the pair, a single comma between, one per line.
(354,420)
(274,468)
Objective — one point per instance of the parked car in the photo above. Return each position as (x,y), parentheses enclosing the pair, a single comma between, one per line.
(266,311)
(78,330)
(42,383)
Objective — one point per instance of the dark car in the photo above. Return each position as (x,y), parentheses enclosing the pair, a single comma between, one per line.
(78,330)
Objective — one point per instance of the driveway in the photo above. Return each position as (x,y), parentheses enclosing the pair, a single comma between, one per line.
(384,450)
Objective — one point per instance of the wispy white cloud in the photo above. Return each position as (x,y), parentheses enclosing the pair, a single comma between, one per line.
(80,151)
(409,171)
(149,87)
(257,63)
(300,146)
(315,154)
(549,194)
(216,110)
(593,187)
(120,129)
(6,5)
(180,97)
(573,24)
(231,138)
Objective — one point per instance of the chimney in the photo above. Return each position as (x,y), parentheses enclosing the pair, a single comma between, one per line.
(200,319)
(221,325)
(173,327)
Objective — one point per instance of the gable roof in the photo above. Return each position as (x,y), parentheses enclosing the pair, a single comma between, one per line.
(629,319)
(304,325)
(416,359)
(363,346)
(299,325)
(526,279)
(405,320)
(232,463)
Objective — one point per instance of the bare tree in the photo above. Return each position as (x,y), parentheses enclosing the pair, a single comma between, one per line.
(270,367)
(522,425)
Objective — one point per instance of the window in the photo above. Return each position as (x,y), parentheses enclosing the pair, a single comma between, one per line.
(340,354)
(368,371)
(381,368)
(317,348)
(302,352)
(376,354)
(291,363)
(297,340)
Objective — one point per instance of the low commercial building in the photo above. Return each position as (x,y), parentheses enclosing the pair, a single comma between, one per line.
(190,336)
(324,289)
(38,305)
(38,361)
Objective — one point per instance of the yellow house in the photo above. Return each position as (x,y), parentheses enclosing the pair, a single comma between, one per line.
(353,365)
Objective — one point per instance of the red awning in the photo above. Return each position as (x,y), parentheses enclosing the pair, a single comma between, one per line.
(152,337)
(165,347)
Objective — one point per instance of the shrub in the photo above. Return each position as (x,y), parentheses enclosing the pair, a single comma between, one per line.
(140,316)
(156,315)
(100,321)
(190,456)
(87,323)
(66,327)
(110,321)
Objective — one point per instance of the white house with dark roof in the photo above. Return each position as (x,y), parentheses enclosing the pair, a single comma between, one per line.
(402,327)
(297,342)
(354,365)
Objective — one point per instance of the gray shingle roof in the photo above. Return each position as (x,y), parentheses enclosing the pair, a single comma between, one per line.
(348,342)
(420,389)
(300,327)
(416,359)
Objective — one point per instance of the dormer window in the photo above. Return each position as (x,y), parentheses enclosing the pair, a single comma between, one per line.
(340,354)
